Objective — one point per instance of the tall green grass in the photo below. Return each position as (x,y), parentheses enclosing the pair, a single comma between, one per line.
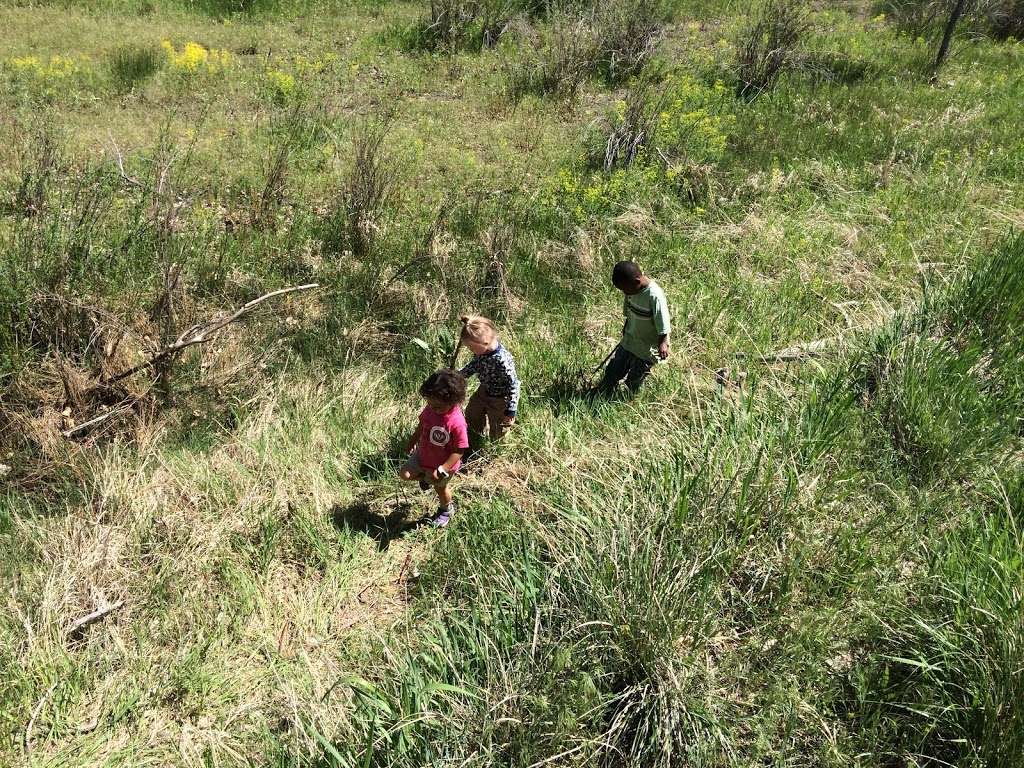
(809,563)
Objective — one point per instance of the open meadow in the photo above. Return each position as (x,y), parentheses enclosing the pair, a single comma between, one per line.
(800,545)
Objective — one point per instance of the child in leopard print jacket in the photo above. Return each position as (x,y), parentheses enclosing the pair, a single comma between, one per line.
(496,400)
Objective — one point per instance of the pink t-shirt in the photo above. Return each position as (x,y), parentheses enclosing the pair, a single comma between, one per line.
(441,434)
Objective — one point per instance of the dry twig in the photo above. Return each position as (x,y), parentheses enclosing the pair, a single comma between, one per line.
(121,408)
(201,333)
(79,625)
(789,354)
(35,714)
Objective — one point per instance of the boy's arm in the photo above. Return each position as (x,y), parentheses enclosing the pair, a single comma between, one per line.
(662,324)
(512,402)
(469,369)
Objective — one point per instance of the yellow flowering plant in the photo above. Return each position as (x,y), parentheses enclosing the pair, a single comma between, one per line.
(280,85)
(46,78)
(193,58)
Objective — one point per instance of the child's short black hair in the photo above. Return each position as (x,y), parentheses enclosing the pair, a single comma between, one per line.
(447,385)
(626,273)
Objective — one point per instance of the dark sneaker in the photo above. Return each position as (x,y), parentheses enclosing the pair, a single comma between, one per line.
(424,485)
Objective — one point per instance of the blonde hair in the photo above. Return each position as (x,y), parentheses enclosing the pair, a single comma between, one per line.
(478,328)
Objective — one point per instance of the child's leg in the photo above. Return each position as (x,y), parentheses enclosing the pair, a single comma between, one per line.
(476,410)
(615,371)
(444,494)
(639,370)
(495,414)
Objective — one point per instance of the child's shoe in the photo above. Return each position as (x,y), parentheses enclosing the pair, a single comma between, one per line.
(424,484)
(444,514)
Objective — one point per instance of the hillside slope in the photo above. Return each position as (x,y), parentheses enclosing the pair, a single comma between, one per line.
(808,561)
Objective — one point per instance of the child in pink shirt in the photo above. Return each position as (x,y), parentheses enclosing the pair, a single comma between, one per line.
(436,447)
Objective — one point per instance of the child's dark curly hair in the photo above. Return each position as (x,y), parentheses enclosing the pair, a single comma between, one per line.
(447,385)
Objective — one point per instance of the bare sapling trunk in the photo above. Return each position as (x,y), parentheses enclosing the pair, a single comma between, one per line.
(947,35)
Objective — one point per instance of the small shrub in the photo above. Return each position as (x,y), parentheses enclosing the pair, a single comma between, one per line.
(460,25)
(1005,19)
(133,64)
(39,162)
(365,189)
(280,86)
(561,65)
(1001,19)
(628,132)
(769,46)
(290,135)
(613,40)
(224,8)
(680,134)
(47,79)
(626,34)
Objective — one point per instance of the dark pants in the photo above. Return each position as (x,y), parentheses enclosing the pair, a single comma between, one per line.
(625,365)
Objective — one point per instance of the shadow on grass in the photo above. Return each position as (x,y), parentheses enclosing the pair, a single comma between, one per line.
(570,389)
(384,465)
(382,522)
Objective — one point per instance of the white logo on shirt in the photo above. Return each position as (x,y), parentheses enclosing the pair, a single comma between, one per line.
(439,436)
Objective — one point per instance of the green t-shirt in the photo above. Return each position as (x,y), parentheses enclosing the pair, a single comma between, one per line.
(646,319)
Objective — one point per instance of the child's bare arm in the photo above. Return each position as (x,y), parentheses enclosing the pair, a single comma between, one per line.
(414,440)
(451,461)
(663,346)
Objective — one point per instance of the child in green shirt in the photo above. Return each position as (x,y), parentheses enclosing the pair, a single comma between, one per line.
(645,333)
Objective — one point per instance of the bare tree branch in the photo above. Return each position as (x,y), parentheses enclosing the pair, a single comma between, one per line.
(79,624)
(129,180)
(201,333)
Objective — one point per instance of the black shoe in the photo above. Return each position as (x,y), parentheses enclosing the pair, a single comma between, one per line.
(424,485)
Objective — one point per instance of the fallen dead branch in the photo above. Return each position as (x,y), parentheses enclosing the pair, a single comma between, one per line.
(201,333)
(80,624)
(35,714)
(789,354)
(121,408)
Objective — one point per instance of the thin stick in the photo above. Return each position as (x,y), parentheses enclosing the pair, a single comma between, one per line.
(32,720)
(789,354)
(82,622)
(130,180)
(200,334)
(117,410)
(606,359)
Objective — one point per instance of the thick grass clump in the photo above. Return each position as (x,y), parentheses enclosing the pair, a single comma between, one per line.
(939,679)
(769,46)
(453,25)
(612,40)
(132,65)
